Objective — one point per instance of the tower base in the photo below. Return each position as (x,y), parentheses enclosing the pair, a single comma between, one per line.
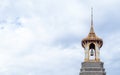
(92,68)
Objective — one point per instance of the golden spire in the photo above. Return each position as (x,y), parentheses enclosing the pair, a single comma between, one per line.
(91,29)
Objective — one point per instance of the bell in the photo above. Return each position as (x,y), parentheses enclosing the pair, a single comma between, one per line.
(92,53)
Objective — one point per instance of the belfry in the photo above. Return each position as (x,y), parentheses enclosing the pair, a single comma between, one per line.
(92,44)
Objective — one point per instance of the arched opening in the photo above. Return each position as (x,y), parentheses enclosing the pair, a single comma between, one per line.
(92,51)
(92,46)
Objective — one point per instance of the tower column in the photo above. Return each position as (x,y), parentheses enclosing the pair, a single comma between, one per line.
(86,54)
(97,53)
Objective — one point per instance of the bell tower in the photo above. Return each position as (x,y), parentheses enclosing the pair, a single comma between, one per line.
(92,44)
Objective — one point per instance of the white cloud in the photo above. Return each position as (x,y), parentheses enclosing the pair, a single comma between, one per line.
(32,29)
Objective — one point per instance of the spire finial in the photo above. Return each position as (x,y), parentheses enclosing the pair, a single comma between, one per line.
(91,30)
(91,16)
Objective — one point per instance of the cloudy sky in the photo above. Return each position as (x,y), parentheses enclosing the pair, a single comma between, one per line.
(43,37)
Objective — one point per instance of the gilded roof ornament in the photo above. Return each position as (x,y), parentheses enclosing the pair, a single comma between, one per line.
(92,36)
